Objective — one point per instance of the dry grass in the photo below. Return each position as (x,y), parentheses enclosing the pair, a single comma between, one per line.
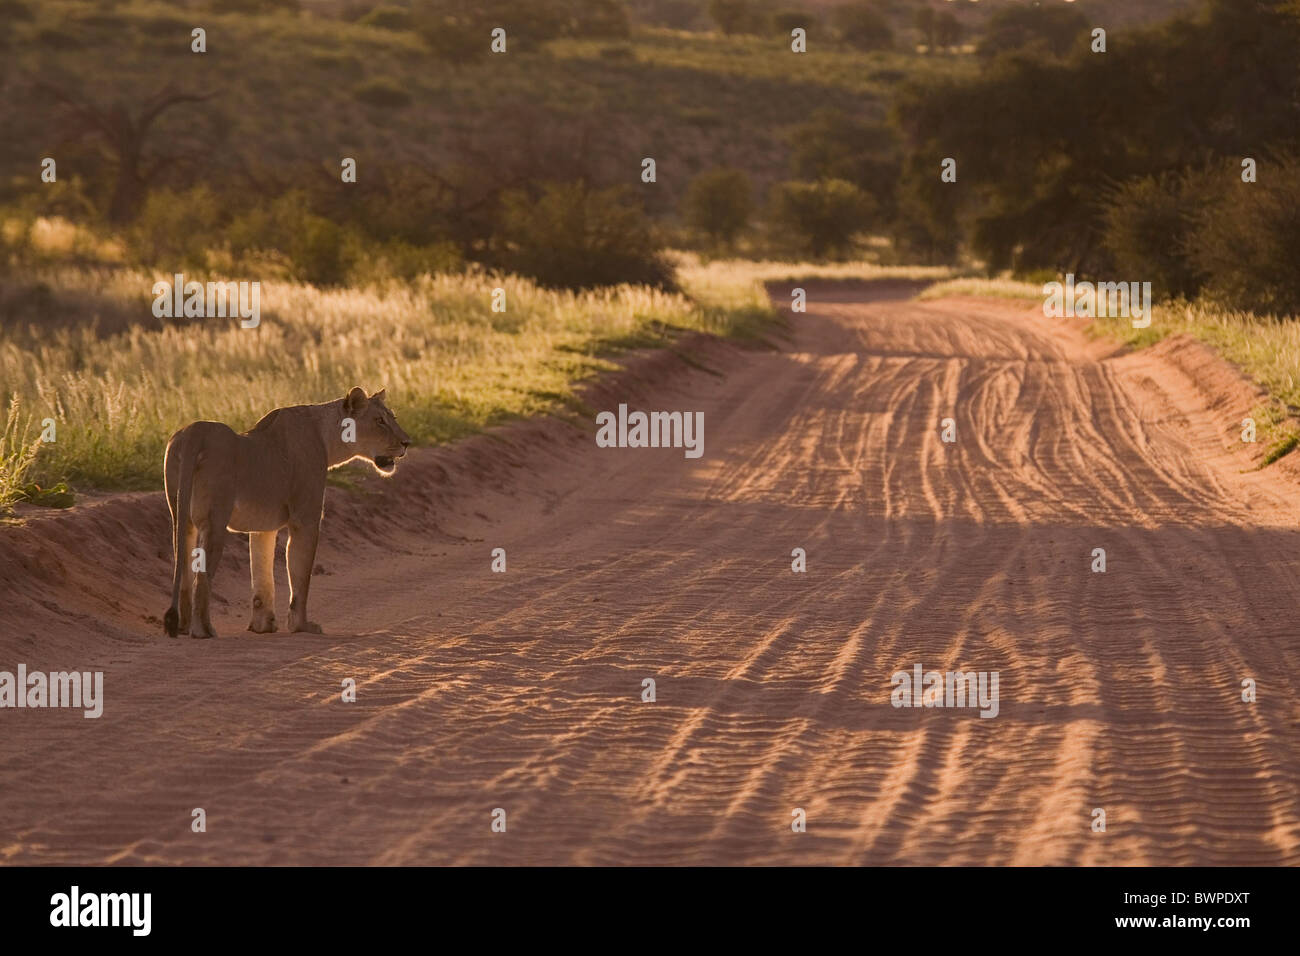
(18,449)
(738,273)
(996,288)
(451,364)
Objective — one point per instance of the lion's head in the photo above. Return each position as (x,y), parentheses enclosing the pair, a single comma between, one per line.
(379,439)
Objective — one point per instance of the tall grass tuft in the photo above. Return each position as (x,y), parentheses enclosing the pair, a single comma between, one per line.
(18,450)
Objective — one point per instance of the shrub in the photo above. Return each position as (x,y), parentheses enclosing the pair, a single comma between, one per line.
(734,16)
(926,227)
(1247,241)
(164,27)
(13,10)
(719,202)
(863,26)
(834,145)
(387,17)
(255,6)
(576,238)
(383,93)
(1052,30)
(599,18)
(53,39)
(947,30)
(319,250)
(1148,228)
(824,214)
(621,51)
(397,259)
(674,14)
(784,21)
(322,252)
(173,229)
(460,30)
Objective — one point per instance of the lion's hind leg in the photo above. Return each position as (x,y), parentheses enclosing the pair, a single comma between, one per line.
(212,536)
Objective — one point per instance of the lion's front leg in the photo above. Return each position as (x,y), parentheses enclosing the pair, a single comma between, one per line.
(261,560)
(301,558)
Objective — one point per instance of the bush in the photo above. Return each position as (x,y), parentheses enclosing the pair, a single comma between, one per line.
(674,14)
(1052,30)
(824,214)
(454,37)
(926,228)
(319,250)
(574,237)
(383,93)
(863,26)
(719,202)
(396,259)
(13,10)
(387,17)
(834,145)
(322,252)
(735,16)
(173,229)
(255,6)
(1148,230)
(460,30)
(53,39)
(599,18)
(947,30)
(623,52)
(1247,241)
(784,21)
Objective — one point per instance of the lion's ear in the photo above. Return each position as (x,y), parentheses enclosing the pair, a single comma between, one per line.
(380,395)
(356,400)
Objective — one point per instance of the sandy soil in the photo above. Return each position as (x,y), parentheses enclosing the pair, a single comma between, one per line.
(522,690)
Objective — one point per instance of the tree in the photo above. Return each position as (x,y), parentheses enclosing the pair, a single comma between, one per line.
(947,30)
(1247,241)
(925,22)
(834,145)
(785,21)
(825,215)
(719,202)
(124,135)
(1031,199)
(1053,29)
(861,25)
(1149,225)
(575,237)
(732,16)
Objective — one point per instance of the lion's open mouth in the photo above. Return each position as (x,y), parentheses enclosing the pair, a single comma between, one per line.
(384,463)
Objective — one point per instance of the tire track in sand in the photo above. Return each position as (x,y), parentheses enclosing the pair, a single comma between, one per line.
(1118,690)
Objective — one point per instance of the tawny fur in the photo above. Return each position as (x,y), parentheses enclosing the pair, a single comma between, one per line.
(270,477)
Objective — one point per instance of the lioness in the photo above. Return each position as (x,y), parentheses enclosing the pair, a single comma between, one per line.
(270,477)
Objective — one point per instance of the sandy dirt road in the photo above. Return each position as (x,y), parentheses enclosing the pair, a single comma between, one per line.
(1118,690)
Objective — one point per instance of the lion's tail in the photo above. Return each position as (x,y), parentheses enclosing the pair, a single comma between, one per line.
(180,516)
